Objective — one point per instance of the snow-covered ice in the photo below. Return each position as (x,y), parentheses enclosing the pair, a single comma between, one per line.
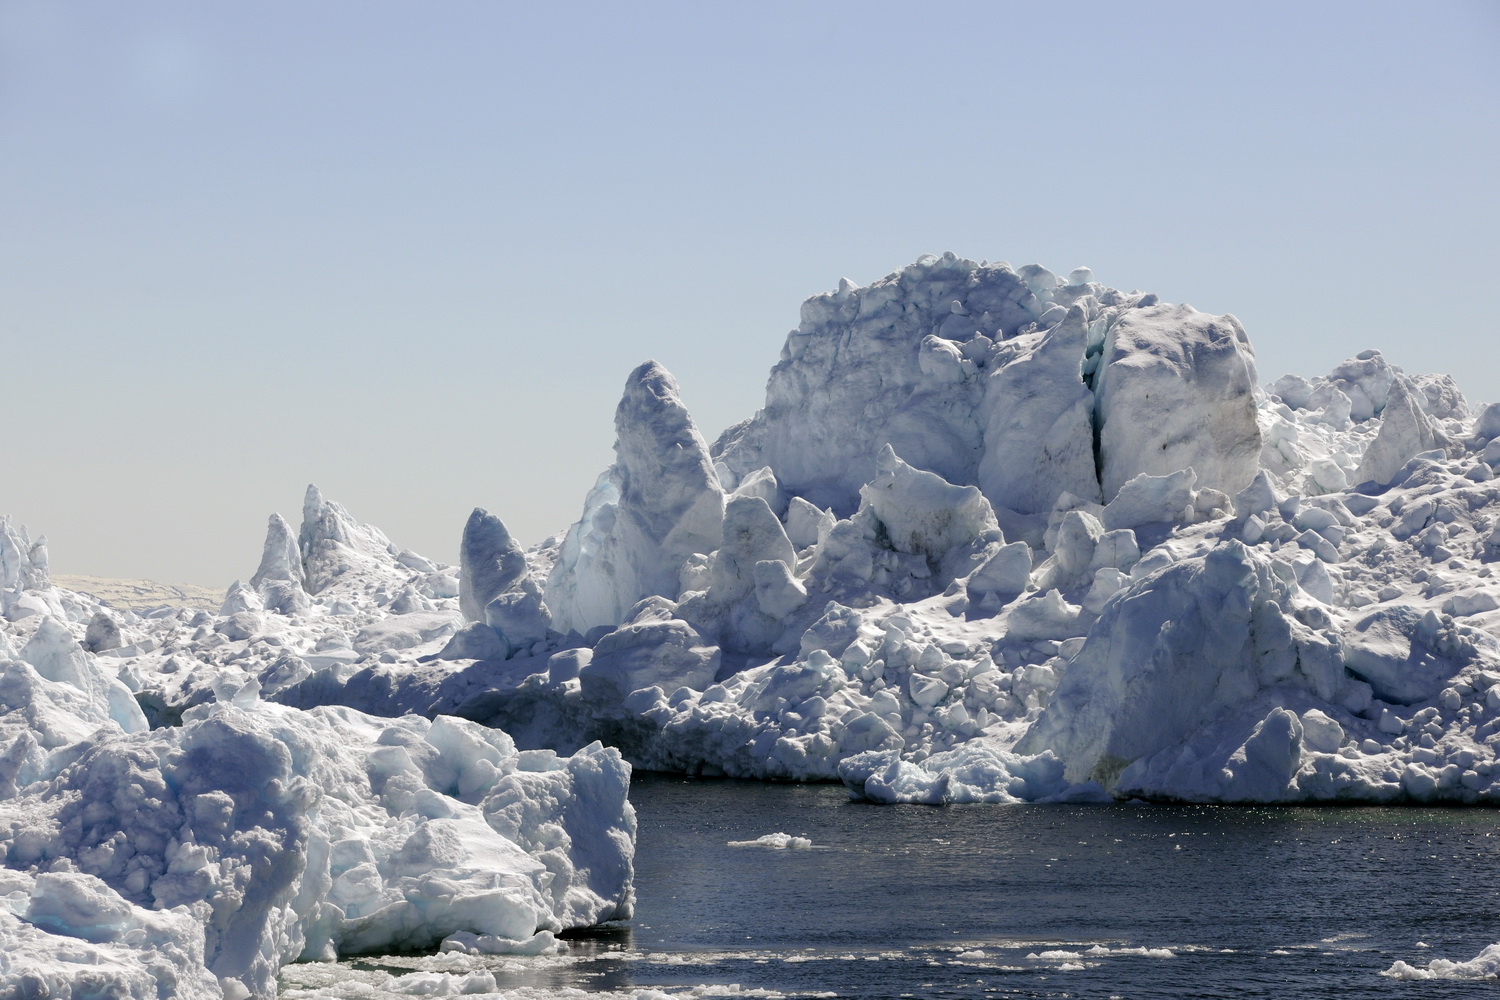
(194,854)
(994,537)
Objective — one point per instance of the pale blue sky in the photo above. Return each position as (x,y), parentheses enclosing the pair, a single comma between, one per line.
(410,251)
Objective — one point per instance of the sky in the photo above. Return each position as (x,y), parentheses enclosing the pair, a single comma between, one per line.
(409,252)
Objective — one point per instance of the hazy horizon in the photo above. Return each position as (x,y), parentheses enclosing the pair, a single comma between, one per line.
(410,254)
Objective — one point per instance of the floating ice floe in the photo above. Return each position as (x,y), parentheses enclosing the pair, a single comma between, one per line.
(1485,965)
(775,841)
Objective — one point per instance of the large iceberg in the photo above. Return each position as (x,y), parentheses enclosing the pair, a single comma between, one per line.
(996,536)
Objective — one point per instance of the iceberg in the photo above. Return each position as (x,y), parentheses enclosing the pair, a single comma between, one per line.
(993,538)
(996,537)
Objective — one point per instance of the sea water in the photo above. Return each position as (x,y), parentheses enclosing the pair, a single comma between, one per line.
(1025,901)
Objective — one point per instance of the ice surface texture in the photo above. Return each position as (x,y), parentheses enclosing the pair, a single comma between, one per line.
(289,834)
(196,858)
(1004,380)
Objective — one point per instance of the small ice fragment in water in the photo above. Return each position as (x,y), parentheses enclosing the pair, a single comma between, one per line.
(777,841)
(1485,965)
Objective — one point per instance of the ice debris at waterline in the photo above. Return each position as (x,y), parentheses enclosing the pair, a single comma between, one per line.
(994,537)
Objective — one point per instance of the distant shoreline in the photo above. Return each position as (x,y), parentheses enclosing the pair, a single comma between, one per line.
(137,595)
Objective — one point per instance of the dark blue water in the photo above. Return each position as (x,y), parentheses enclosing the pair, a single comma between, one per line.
(1032,901)
(898,901)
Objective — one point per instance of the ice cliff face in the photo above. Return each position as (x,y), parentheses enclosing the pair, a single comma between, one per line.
(1174,389)
(1018,383)
(1165,661)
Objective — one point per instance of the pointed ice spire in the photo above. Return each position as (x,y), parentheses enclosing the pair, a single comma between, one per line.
(665,473)
(322,520)
(1405,431)
(281,559)
(333,544)
(23,563)
(279,580)
(12,553)
(490,563)
(37,575)
(658,504)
